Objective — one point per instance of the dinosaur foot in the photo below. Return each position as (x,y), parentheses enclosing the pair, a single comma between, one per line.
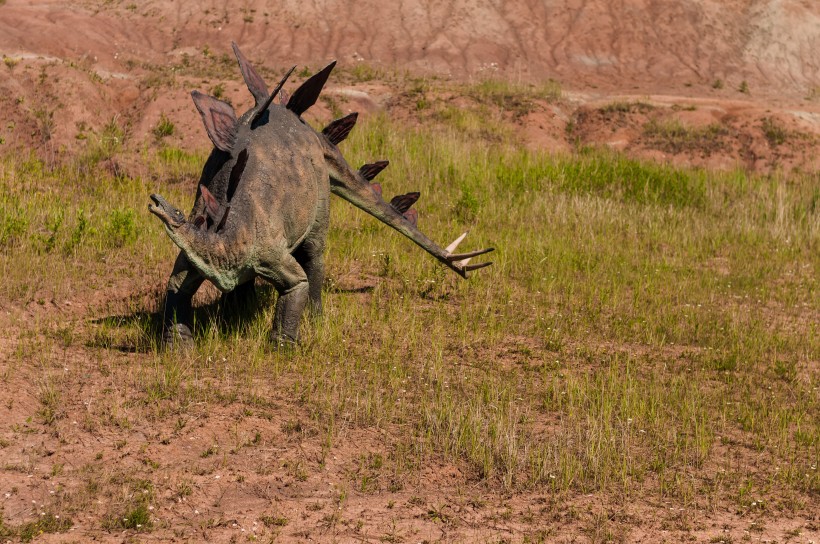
(177,337)
(283,343)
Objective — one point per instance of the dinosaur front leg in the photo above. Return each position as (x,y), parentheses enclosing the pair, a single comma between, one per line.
(291,282)
(177,319)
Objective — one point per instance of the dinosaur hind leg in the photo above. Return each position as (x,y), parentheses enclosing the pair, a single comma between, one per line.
(177,318)
(310,255)
(291,282)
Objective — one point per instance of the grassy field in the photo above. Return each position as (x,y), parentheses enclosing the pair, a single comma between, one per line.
(647,336)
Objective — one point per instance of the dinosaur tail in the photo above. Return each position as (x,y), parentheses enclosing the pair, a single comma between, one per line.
(355,187)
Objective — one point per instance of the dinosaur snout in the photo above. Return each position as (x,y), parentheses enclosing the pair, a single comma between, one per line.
(169,215)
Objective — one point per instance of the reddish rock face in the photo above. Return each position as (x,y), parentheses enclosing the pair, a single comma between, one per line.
(88,64)
(656,45)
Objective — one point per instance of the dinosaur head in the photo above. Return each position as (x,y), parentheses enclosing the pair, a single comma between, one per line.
(185,234)
(171,216)
(199,244)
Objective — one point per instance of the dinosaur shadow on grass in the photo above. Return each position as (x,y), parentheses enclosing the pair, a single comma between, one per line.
(140,331)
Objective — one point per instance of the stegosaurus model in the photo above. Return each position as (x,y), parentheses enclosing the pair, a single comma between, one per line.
(263,202)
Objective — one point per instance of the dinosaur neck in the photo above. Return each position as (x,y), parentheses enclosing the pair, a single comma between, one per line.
(207,252)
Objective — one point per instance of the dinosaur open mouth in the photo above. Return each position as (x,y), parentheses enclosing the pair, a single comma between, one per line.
(156,207)
(165,211)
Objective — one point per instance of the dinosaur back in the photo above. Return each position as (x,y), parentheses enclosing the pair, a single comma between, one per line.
(283,186)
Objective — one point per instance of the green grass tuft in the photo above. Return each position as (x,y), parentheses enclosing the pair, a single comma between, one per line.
(675,137)
(46,523)
(164,128)
(775,133)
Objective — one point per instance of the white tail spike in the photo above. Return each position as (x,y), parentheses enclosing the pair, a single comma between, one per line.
(452,247)
(453,257)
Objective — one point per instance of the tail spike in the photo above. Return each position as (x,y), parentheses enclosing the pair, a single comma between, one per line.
(454,244)
(469,267)
(452,257)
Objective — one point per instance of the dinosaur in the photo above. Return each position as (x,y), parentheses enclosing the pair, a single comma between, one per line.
(262,206)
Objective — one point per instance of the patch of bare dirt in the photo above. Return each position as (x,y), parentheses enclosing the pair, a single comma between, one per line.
(699,132)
